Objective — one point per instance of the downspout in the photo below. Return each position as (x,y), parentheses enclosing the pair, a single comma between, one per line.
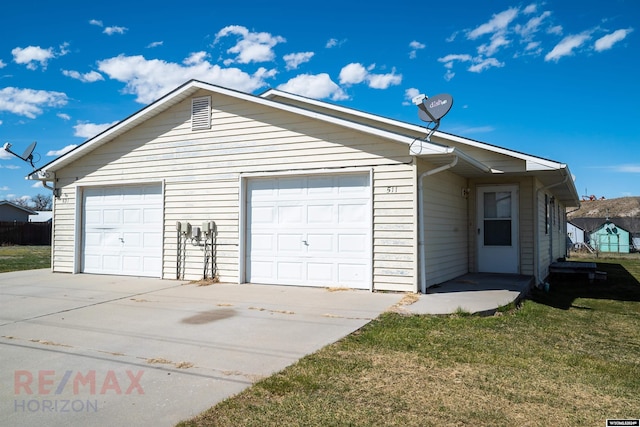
(421,245)
(537,266)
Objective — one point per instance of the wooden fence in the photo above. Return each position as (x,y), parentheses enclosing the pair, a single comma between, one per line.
(25,233)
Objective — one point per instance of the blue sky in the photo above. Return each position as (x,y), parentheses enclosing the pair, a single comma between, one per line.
(556,79)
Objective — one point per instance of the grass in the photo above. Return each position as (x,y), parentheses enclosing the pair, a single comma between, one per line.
(567,357)
(15,258)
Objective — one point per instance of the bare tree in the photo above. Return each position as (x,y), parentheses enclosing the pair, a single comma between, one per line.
(41,202)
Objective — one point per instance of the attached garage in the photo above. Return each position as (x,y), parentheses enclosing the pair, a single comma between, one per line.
(122,230)
(309,230)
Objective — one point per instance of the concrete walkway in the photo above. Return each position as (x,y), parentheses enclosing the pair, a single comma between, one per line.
(475,293)
(113,350)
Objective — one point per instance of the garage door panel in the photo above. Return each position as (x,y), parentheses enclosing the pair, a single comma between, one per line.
(320,214)
(122,230)
(290,215)
(351,273)
(289,243)
(306,230)
(351,213)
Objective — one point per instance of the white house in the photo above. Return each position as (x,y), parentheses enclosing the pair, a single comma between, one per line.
(575,233)
(299,192)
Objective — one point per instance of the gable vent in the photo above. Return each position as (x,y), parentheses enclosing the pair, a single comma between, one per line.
(201,113)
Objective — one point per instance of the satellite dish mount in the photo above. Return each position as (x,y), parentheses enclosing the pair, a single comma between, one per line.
(27,156)
(431,110)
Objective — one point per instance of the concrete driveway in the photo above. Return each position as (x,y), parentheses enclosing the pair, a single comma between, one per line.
(106,350)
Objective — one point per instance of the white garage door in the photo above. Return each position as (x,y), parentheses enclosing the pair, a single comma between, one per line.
(313,231)
(122,230)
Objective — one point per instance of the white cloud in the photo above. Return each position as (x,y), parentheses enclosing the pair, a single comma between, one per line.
(409,94)
(630,168)
(89,130)
(115,30)
(567,45)
(607,42)
(485,64)
(415,46)
(556,29)
(498,22)
(318,86)
(294,60)
(155,44)
(449,75)
(150,79)
(31,56)
(2,64)
(90,77)
(29,102)
(96,22)
(64,116)
(57,153)
(498,40)
(356,73)
(383,81)
(335,43)
(449,59)
(251,46)
(353,73)
(4,188)
(532,26)
(532,8)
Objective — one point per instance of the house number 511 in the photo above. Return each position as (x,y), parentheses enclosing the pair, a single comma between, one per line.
(392,189)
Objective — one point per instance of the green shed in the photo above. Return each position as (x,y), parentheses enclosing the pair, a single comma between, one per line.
(611,238)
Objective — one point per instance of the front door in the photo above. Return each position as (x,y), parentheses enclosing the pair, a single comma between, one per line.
(498,229)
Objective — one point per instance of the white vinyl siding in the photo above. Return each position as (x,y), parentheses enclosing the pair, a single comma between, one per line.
(201,171)
(445,218)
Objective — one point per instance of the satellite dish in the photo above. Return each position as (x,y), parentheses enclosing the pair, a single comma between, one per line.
(434,108)
(27,156)
(28,153)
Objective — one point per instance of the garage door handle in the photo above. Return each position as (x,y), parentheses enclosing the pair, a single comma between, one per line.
(121,240)
(305,243)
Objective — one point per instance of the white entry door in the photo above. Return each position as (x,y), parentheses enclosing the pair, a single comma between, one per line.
(122,230)
(498,246)
(309,230)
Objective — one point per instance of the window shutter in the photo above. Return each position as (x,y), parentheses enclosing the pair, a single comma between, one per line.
(201,113)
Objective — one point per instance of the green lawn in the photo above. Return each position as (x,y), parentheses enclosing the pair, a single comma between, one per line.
(569,357)
(14,258)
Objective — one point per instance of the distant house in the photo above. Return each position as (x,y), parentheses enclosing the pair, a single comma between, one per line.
(575,234)
(41,216)
(614,235)
(10,212)
(294,191)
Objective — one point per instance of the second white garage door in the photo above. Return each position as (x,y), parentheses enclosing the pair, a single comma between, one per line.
(122,230)
(312,230)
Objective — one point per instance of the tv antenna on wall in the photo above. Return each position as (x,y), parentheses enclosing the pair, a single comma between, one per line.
(432,109)
(27,155)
